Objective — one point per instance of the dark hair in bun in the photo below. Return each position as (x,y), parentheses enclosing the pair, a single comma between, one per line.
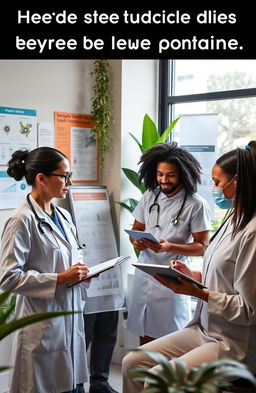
(29,164)
(16,165)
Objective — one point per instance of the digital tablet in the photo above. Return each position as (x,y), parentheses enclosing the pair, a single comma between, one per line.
(166,271)
(138,235)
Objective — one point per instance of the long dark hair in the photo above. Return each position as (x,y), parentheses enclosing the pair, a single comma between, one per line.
(29,164)
(187,165)
(242,163)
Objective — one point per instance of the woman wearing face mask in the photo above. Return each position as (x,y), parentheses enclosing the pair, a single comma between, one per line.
(224,324)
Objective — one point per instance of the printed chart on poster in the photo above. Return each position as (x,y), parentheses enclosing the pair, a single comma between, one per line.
(198,134)
(18,130)
(74,138)
(12,192)
(91,213)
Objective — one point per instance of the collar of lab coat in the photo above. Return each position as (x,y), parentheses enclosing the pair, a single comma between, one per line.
(63,222)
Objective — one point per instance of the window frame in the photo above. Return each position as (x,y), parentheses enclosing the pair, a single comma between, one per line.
(166,101)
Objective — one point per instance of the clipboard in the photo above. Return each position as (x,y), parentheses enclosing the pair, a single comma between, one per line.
(166,271)
(102,267)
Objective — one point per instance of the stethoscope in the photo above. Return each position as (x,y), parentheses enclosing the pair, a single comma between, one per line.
(43,223)
(156,205)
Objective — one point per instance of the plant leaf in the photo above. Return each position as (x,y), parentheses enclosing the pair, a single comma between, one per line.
(180,369)
(5,312)
(4,296)
(163,361)
(137,252)
(133,202)
(125,206)
(166,133)
(145,374)
(138,143)
(3,368)
(149,133)
(10,327)
(134,178)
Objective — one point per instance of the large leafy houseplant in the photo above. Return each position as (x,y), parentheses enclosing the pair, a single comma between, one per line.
(8,327)
(150,137)
(207,378)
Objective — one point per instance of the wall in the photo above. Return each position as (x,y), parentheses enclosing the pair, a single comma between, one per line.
(139,96)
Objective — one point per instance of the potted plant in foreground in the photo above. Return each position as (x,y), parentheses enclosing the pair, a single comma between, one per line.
(6,310)
(207,378)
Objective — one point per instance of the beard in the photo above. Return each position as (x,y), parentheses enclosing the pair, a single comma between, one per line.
(169,187)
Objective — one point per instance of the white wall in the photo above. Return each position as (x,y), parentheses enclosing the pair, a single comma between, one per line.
(139,96)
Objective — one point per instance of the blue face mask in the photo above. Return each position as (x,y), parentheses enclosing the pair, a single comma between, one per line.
(219,198)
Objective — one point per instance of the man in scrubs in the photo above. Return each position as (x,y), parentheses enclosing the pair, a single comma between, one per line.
(180,219)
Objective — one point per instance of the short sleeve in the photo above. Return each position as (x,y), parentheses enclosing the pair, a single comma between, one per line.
(201,217)
(139,211)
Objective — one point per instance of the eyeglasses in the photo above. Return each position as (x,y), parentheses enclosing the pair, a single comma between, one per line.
(66,177)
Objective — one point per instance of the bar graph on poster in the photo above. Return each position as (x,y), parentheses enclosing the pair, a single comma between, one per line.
(92,216)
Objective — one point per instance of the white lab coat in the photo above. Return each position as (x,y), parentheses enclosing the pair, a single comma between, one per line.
(50,356)
(230,315)
(153,309)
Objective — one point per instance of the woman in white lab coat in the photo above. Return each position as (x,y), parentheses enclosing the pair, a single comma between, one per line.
(224,325)
(39,258)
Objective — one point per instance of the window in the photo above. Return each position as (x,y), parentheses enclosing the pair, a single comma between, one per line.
(224,87)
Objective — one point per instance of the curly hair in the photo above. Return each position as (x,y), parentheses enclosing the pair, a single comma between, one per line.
(188,167)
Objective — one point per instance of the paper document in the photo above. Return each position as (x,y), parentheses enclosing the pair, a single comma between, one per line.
(138,235)
(166,271)
(102,267)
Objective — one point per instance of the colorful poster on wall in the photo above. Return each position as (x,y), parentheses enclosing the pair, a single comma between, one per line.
(74,138)
(18,130)
(12,192)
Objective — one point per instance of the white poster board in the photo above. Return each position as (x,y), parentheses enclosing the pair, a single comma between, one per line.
(92,216)
(198,134)
(18,130)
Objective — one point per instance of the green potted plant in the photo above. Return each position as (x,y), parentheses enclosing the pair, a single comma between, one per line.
(150,137)
(6,309)
(207,378)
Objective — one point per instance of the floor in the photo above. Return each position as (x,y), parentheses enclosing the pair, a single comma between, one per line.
(115,378)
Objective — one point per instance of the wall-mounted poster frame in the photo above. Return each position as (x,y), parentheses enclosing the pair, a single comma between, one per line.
(74,138)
